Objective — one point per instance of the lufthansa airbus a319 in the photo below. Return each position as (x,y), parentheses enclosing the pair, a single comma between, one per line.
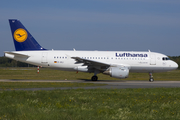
(117,64)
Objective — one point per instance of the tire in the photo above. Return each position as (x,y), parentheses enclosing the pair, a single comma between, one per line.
(94,78)
(151,80)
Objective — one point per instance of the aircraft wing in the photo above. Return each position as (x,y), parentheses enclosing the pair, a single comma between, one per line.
(92,63)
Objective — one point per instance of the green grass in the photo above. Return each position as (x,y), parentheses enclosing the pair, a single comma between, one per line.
(49,74)
(12,85)
(93,104)
(80,104)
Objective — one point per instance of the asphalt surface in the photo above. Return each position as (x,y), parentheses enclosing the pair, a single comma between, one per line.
(110,84)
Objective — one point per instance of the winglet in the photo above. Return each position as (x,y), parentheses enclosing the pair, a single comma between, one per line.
(23,40)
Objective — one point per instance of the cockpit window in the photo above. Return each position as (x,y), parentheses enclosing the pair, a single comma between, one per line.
(165,58)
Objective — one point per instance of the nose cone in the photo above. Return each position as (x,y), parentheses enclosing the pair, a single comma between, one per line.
(174,65)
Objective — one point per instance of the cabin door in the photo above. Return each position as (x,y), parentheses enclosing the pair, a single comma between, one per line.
(152,59)
(44,57)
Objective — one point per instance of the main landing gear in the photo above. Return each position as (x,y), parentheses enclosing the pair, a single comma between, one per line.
(151,77)
(95,78)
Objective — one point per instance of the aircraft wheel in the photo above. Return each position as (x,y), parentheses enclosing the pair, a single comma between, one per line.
(150,77)
(94,78)
(151,80)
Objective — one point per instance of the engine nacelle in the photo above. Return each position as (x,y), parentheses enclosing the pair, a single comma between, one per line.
(118,72)
(81,68)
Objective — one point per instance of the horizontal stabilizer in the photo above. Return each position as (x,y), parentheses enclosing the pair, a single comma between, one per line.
(17,54)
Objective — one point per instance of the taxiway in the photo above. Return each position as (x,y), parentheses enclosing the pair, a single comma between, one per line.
(110,84)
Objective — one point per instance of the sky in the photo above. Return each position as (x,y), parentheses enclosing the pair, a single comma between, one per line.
(104,25)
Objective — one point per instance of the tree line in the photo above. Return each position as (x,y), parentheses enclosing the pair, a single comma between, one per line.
(6,62)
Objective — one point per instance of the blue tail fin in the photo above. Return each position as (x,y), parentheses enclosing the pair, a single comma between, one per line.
(23,40)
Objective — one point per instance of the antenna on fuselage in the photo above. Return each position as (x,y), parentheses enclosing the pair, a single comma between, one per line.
(149,51)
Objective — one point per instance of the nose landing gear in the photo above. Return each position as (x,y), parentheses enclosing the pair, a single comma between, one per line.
(151,77)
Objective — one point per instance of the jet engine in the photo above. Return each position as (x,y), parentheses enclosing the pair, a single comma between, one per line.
(117,72)
(81,68)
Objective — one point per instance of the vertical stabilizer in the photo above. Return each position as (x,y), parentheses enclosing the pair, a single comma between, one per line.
(23,40)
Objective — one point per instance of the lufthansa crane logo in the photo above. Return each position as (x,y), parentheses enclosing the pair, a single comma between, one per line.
(20,35)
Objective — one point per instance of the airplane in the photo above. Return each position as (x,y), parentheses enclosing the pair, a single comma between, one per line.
(117,64)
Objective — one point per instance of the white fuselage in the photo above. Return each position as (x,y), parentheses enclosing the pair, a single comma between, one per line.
(135,61)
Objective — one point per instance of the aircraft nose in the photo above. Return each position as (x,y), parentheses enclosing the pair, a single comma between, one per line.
(174,65)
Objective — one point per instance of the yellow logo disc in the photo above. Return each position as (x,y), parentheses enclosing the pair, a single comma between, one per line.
(20,35)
